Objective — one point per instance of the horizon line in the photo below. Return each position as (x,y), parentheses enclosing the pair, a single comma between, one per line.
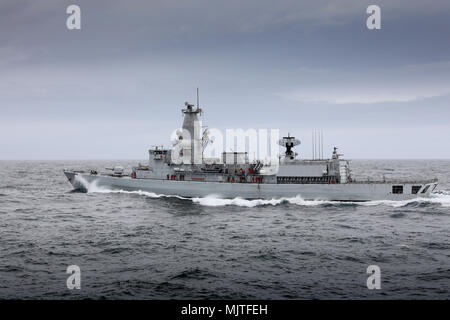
(136,159)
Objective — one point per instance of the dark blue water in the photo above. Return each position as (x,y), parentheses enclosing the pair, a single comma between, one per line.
(131,245)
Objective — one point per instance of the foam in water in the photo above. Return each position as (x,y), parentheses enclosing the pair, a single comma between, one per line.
(215,201)
(82,181)
(93,187)
(441,197)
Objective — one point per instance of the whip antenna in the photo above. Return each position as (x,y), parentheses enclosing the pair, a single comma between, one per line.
(198,99)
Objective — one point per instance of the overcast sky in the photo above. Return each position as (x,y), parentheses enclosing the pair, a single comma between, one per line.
(115,88)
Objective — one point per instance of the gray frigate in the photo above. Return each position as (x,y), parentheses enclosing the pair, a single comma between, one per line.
(183,171)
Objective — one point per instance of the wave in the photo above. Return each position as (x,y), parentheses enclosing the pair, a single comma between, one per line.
(215,201)
(435,198)
(441,197)
(93,187)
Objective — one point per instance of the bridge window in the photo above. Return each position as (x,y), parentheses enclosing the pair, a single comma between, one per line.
(415,189)
(397,189)
(426,189)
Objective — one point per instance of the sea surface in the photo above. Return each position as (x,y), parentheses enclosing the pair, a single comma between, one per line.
(139,245)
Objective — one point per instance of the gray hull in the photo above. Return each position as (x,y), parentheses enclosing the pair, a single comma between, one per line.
(361,191)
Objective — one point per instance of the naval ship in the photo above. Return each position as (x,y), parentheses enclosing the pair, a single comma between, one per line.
(183,171)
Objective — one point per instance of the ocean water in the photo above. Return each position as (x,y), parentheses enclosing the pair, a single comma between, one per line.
(140,245)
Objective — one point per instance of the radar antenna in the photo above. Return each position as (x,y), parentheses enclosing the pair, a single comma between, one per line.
(288,143)
(198,99)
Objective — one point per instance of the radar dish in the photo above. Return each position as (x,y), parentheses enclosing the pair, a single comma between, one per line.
(291,141)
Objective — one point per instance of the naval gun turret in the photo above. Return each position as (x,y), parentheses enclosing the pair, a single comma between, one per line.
(288,143)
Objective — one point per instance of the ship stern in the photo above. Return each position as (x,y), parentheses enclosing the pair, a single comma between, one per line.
(427,189)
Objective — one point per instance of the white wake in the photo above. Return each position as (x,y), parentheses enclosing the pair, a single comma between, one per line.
(441,197)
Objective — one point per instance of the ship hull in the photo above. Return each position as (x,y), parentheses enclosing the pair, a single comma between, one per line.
(361,191)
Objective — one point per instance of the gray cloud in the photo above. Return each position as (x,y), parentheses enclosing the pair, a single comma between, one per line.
(289,64)
(402,84)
